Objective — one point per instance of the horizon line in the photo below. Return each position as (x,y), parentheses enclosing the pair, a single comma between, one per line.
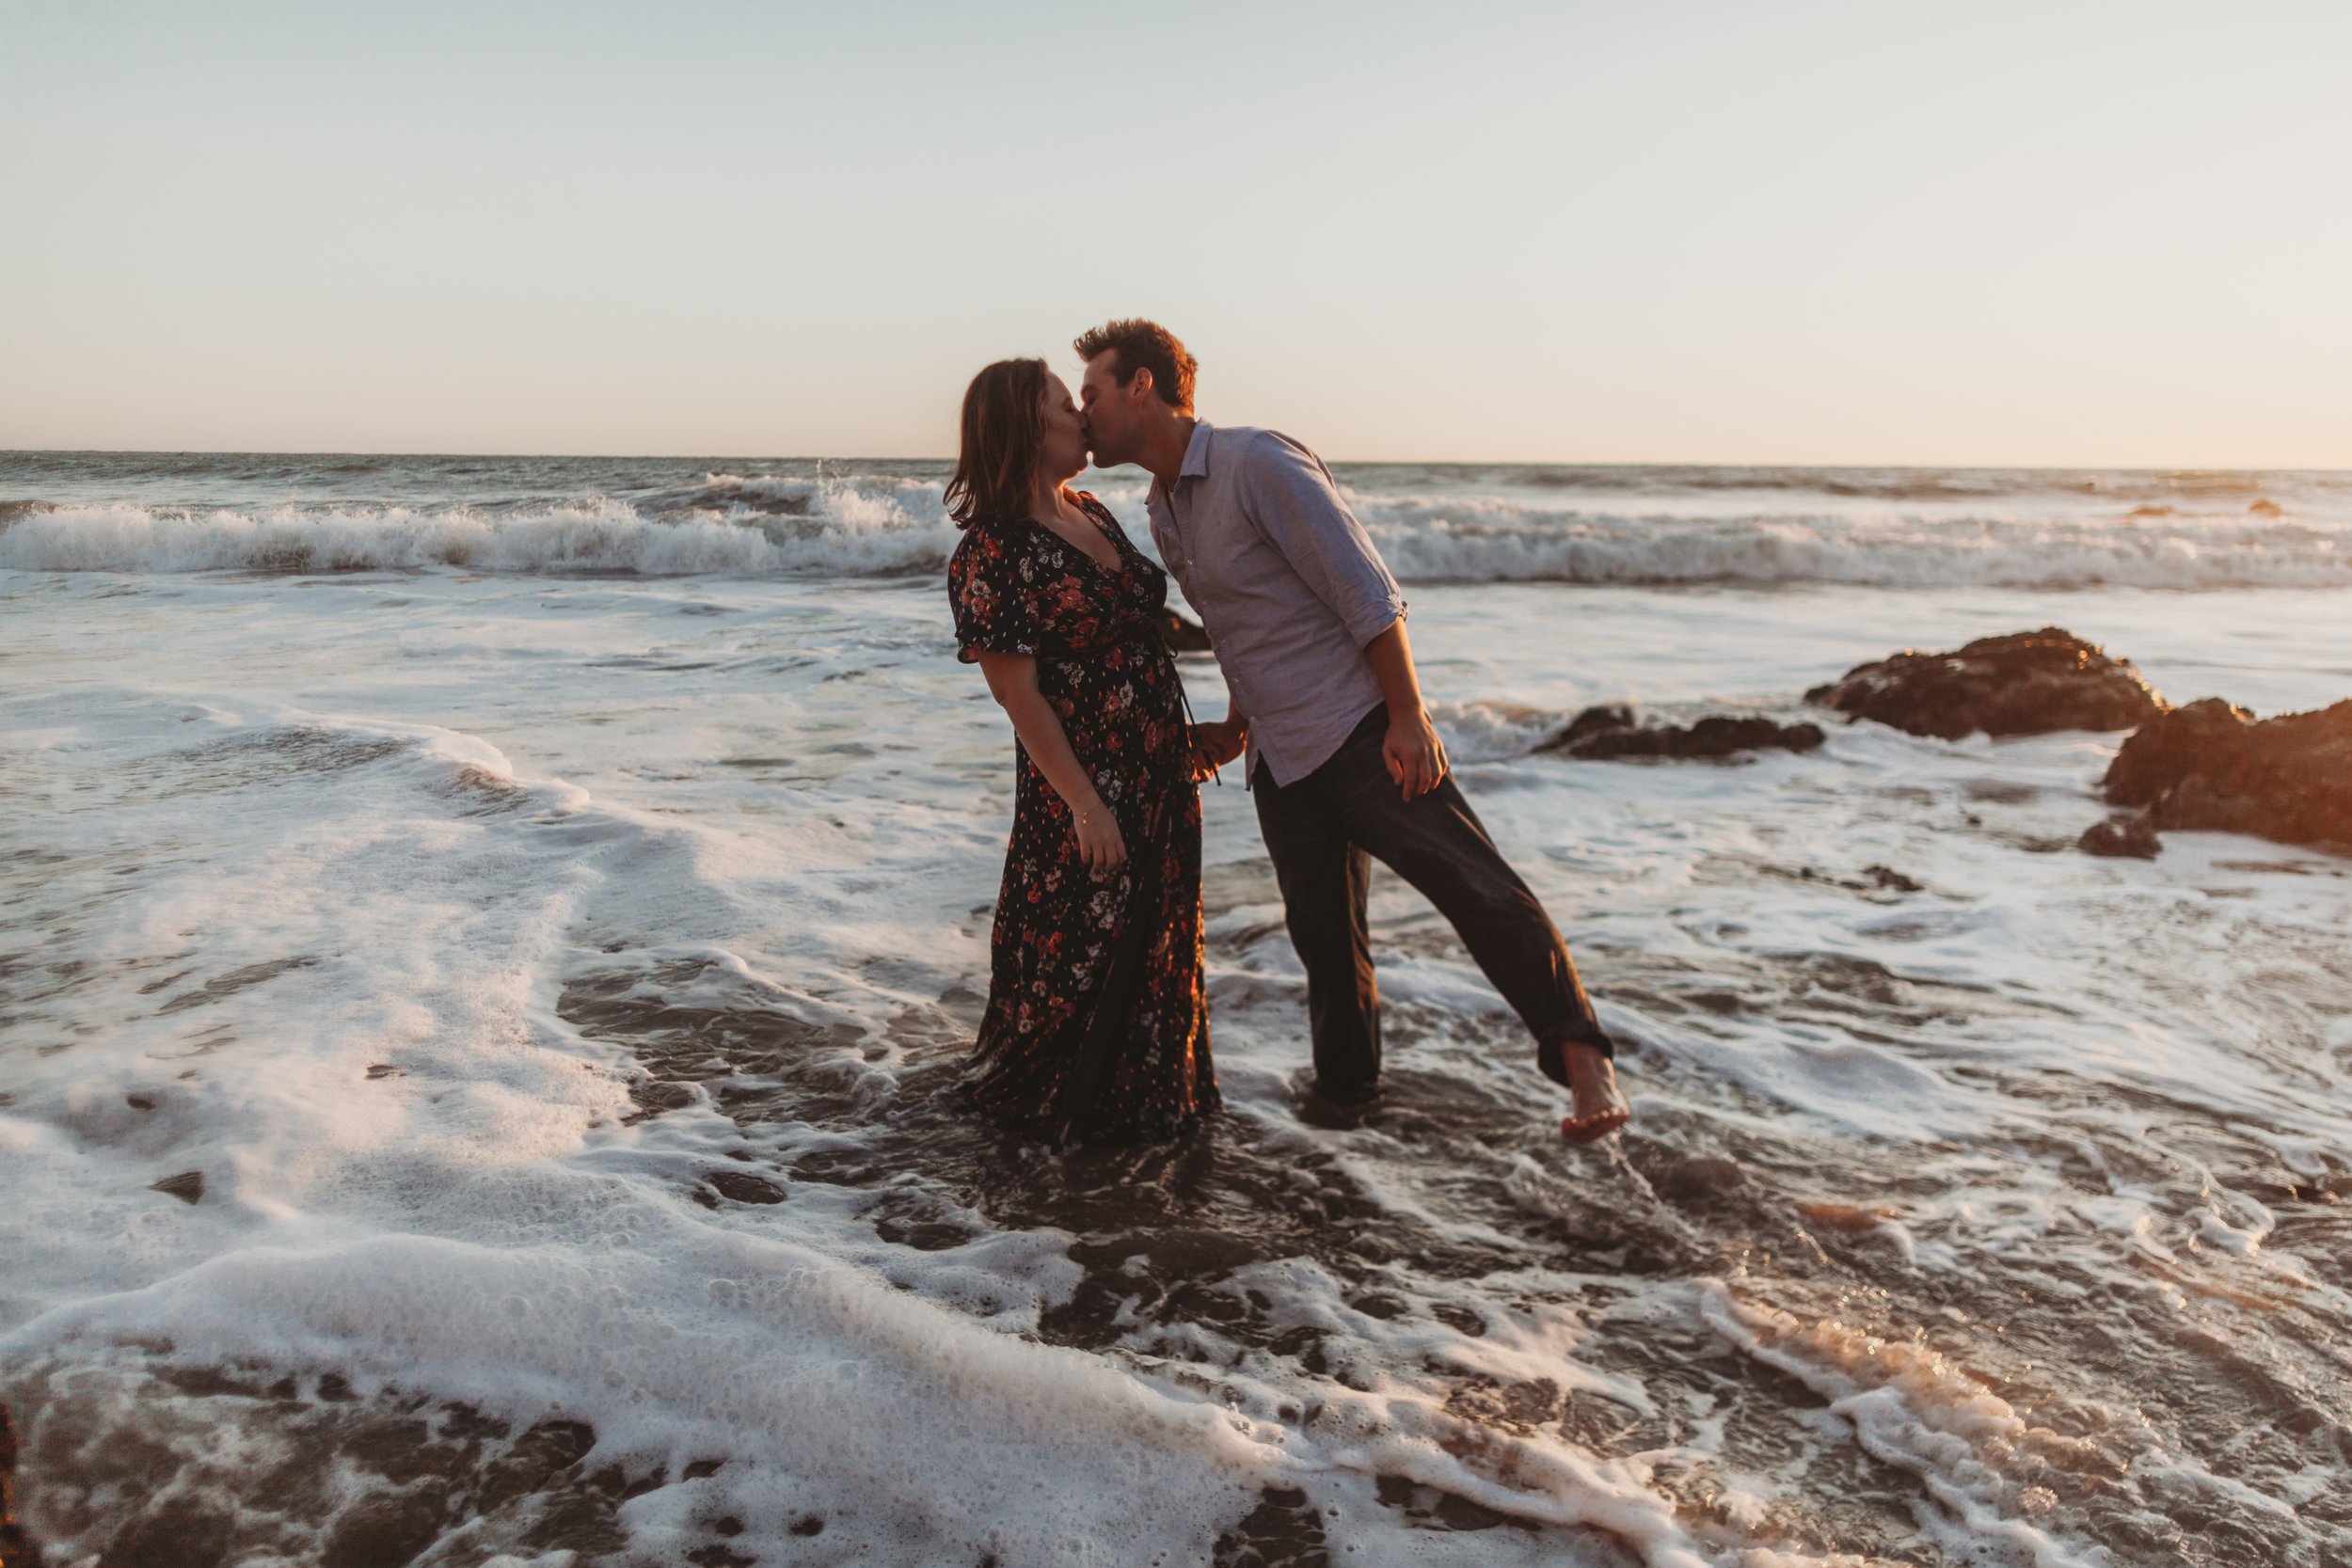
(1352,462)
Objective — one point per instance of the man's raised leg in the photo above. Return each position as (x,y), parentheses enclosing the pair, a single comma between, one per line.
(1438,843)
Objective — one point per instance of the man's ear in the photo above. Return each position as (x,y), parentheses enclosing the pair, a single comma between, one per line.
(1141,383)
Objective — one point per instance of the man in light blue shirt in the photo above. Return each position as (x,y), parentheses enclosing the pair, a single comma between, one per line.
(1309,628)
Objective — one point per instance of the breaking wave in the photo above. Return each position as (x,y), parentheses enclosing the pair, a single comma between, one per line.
(1463,543)
(879,524)
(775,528)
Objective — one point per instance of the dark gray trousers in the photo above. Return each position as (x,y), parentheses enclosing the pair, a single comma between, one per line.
(1323,832)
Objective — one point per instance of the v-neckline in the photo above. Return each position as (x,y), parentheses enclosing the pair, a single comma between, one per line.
(1119,569)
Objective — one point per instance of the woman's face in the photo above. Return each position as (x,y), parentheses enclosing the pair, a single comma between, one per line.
(1061,450)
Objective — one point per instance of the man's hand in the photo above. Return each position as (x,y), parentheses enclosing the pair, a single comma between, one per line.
(1215,745)
(1415,755)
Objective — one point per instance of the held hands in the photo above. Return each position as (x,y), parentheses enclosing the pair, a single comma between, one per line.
(1215,745)
(1099,844)
(1415,755)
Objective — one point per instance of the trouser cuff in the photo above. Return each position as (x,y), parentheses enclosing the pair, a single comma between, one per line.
(1553,1061)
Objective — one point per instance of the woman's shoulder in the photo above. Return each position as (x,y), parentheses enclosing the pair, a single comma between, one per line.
(989,544)
(1092,506)
(986,536)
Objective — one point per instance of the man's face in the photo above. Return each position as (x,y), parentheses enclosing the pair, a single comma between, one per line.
(1112,420)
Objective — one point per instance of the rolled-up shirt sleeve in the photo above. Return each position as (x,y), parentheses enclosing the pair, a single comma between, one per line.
(1295,506)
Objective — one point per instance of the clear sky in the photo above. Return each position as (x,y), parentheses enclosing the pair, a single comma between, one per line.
(1883,232)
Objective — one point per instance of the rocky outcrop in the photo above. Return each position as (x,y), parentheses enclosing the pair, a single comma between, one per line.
(188,1186)
(1182,633)
(1592,722)
(1610,734)
(2213,767)
(2027,683)
(2123,836)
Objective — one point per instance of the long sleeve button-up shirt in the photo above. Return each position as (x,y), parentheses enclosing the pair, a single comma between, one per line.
(1287,583)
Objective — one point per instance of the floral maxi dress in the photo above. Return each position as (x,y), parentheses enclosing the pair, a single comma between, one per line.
(1097,1026)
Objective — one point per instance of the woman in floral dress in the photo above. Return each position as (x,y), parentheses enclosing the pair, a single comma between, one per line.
(1097,1028)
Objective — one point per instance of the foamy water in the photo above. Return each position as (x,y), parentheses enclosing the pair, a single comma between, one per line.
(1436,523)
(547,901)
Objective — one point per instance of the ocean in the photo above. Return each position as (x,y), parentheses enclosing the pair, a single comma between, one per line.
(489,942)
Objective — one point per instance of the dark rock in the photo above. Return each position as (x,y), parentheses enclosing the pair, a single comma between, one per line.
(1182,633)
(2029,682)
(2214,767)
(1592,722)
(744,1187)
(1892,880)
(1710,738)
(188,1186)
(2126,837)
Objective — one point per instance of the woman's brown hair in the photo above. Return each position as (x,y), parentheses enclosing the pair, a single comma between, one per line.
(1003,421)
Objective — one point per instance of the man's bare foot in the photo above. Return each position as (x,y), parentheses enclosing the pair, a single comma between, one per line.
(1600,1109)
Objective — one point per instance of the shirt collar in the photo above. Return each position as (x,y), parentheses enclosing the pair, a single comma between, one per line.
(1196,464)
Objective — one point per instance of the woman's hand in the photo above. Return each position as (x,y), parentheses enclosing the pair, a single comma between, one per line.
(1012,681)
(1099,844)
(1215,744)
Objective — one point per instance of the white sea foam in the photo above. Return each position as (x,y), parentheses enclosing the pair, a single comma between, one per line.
(1912,1408)
(852,531)
(755,525)
(286,831)
(1484,539)
(829,1392)
(476,1225)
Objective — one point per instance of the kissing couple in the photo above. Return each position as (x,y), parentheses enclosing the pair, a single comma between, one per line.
(1097,1025)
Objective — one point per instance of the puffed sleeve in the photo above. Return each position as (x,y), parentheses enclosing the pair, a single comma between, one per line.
(995,608)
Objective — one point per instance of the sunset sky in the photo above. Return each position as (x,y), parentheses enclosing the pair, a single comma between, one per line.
(2030,234)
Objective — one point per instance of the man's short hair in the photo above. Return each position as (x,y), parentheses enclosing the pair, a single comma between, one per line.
(1145,345)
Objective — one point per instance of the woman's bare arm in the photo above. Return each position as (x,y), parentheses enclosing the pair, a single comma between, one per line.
(1012,681)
